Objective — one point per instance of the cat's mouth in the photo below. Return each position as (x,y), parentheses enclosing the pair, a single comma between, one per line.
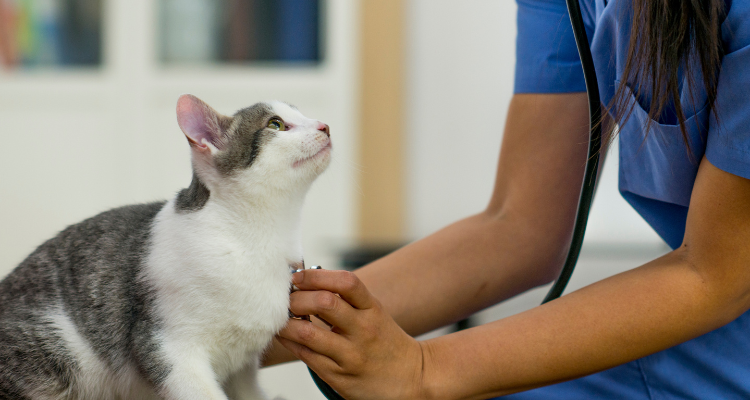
(320,154)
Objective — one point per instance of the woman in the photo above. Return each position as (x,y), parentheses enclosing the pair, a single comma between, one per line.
(674,328)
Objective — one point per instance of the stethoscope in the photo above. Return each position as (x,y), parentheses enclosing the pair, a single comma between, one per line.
(589,177)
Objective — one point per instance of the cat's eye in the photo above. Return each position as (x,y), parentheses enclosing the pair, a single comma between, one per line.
(276,124)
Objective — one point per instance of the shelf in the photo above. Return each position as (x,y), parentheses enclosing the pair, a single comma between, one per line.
(199,31)
(43,33)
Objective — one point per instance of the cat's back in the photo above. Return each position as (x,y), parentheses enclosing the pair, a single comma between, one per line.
(83,280)
(111,241)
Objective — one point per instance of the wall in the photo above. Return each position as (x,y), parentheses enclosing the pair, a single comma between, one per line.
(78,142)
(460,76)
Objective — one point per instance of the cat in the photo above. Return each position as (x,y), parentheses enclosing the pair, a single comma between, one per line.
(175,299)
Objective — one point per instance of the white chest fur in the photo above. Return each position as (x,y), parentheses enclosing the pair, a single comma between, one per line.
(222,281)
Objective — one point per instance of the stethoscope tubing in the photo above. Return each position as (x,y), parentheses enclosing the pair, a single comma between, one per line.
(588,187)
(589,178)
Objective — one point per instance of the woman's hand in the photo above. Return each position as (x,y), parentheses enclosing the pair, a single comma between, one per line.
(365,354)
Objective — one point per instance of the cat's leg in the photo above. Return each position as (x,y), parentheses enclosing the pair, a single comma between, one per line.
(189,375)
(243,384)
(191,379)
(178,368)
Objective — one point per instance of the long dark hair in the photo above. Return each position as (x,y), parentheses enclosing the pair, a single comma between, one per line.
(665,36)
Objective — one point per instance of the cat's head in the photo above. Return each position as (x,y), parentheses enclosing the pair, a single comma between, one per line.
(269,145)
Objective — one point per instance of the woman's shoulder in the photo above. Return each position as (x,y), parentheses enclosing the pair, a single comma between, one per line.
(735,29)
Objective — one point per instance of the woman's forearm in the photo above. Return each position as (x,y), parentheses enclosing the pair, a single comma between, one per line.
(457,271)
(611,322)
(699,287)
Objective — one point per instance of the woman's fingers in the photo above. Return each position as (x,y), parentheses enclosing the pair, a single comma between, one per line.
(315,339)
(315,360)
(344,283)
(327,306)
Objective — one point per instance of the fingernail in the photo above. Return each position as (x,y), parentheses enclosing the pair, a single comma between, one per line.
(297,278)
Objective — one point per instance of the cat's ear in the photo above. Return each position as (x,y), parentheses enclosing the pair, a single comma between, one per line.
(202,125)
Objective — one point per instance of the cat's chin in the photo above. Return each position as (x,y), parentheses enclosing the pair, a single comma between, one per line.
(324,153)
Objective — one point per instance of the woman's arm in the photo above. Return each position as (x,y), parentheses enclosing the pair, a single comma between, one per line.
(517,243)
(697,288)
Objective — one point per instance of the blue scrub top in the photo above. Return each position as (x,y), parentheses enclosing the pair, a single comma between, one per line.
(656,177)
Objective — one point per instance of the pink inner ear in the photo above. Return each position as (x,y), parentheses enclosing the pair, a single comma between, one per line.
(198,121)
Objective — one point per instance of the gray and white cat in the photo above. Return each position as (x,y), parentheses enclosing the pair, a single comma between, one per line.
(177,299)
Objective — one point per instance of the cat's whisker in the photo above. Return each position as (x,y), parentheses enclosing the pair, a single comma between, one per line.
(352,179)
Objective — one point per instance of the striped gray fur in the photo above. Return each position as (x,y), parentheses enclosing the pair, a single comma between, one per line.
(90,270)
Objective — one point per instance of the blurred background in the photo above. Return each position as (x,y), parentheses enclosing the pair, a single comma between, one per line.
(415,92)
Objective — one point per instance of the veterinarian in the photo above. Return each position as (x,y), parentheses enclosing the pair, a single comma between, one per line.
(675,76)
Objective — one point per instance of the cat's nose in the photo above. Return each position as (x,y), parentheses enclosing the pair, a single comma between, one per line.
(324,128)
